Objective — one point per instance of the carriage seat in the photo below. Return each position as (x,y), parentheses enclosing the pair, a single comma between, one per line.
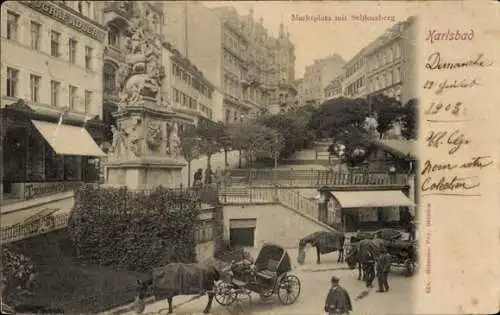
(270,272)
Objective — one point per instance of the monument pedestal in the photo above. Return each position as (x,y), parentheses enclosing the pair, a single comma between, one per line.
(146,149)
(144,174)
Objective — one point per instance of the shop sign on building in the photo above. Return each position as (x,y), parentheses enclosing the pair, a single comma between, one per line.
(33,190)
(54,11)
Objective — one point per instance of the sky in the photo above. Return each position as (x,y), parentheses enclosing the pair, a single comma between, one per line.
(314,40)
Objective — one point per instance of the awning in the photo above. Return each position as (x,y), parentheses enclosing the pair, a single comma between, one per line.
(358,199)
(68,140)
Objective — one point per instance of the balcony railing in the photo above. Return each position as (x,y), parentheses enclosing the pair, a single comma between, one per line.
(308,178)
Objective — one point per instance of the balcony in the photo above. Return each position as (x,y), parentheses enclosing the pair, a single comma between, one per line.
(117,10)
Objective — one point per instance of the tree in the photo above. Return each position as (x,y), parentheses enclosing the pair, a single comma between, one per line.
(224,138)
(190,149)
(334,115)
(250,137)
(410,119)
(208,132)
(388,109)
(352,145)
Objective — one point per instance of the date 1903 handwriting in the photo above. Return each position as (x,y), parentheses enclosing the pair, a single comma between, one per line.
(454,139)
(454,108)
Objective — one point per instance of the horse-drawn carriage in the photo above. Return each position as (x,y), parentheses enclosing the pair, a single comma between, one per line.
(270,274)
(403,252)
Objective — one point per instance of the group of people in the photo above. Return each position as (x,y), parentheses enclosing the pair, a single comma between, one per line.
(338,301)
(208,177)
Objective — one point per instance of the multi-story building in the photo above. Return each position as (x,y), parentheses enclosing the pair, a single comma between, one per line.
(241,60)
(187,89)
(354,76)
(385,66)
(391,67)
(116,17)
(318,75)
(335,88)
(52,61)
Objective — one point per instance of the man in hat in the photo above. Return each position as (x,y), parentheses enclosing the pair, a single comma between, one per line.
(383,266)
(338,301)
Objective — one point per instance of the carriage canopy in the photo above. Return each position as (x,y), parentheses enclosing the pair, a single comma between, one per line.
(274,258)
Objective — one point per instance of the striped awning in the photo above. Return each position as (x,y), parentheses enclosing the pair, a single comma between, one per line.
(372,199)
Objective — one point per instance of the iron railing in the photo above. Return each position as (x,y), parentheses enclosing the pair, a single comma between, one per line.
(43,225)
(295,200)
(299,178)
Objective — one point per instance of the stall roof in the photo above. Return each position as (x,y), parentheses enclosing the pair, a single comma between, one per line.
(358,199)
(68,140)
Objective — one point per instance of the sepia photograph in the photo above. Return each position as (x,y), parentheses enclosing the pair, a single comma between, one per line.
(208,157)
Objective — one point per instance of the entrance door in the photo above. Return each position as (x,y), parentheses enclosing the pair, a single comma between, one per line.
(242,232)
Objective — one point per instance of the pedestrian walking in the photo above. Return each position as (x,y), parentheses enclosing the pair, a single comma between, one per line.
(338,301)
(383,267)
(198,178)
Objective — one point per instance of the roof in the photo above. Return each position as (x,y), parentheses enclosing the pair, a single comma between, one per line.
(401,148)
(372,199)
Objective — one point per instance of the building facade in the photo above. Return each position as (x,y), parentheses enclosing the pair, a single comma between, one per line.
(52,61)
(186,88)
(241,60)
(334,89)
(386,66)
(355,76)
(391,67)
(318,75)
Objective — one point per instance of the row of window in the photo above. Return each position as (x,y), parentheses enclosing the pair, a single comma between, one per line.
(354,87)
(386,79)
(233,116)
(193,82)
(83,7)
(13,32)
(191,103)
(385,56)
(352,69)
(12,89)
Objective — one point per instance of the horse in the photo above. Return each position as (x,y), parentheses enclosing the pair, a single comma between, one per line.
(180,279)
(324,242)
(364,253)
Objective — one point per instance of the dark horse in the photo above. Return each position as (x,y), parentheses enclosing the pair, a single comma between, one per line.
(324,242)
(364,254)
(180,279)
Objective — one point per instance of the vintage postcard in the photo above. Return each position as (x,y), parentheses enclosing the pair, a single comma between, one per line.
(250,157)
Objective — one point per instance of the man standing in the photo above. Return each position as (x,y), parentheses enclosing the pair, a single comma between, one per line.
(338,301)
(369,268)
(383,266)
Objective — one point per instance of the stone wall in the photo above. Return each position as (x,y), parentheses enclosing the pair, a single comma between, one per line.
(274,223)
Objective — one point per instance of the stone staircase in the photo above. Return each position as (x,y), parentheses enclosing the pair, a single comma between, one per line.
(289,198)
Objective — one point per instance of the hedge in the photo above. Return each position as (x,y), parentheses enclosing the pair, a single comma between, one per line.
(133,230)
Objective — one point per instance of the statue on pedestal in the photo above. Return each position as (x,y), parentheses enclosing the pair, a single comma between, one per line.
(174,141)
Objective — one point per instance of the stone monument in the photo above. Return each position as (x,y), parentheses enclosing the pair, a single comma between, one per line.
(145,152)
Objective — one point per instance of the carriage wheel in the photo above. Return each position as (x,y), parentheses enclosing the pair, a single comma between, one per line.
(288,289)
(409,267)
(224,294)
